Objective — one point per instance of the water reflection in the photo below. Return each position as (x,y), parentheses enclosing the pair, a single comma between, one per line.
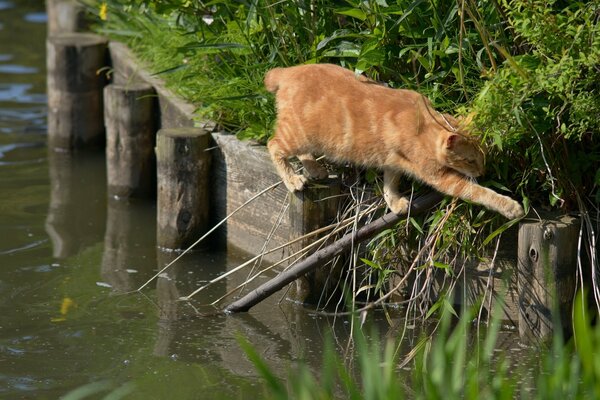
(77,210)
(130,232)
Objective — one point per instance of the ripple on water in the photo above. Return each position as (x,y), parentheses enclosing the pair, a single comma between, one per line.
(5,5)
(19,93)
(17,69)
(36,18)
(16,153)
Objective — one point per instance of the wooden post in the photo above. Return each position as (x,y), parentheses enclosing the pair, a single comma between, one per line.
(183,166)
(75,82)
(130,120)
(547,259)
(65,16)
(313,208)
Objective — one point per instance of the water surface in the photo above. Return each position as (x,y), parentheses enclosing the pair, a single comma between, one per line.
(69,255)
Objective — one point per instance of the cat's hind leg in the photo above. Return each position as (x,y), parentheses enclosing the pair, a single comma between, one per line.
(313,169)
(394,199)
(292,181)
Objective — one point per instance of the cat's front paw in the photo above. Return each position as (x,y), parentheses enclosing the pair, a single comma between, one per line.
(398,205)
(513,209)
(295,183)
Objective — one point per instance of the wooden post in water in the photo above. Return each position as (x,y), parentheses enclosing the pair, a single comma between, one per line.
(130,120)
(65,16)
(313,208)
(547,259)
(75,83)
(183,172)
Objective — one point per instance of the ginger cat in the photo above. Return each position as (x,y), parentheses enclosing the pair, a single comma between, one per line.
(323,109)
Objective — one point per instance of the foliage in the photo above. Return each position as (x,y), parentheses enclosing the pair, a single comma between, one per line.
(454,363)
(527,70)
(541,106)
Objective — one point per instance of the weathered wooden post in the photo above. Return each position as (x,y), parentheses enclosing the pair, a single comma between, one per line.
(75,83)
(313,208)
(130,120)
(183,167)
(65,16)
(547,259)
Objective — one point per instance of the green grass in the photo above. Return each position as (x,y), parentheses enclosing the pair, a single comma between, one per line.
(457,362)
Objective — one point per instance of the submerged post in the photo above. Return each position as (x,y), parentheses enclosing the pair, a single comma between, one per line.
(183,166)
(75,83)
(547,259)
(129,116)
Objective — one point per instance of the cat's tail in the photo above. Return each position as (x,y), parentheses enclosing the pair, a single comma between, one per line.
(272,79)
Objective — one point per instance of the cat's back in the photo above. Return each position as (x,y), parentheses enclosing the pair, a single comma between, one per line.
(316,82)
(306,77)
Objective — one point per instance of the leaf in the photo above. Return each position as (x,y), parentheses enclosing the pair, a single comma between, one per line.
(414,223)
(276,387)
(371,263)
(352,12)
(87,390)
(211,46)
(499,231)
(171,69)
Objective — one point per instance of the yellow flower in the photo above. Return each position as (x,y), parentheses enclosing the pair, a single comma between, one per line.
(103,11)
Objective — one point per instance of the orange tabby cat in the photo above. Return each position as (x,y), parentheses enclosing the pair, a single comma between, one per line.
(326,109)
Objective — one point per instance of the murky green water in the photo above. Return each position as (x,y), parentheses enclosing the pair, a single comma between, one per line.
(68,255)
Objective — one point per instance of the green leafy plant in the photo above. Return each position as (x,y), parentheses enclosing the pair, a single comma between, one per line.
(526,70)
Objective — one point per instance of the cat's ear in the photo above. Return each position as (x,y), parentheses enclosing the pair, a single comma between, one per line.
(452,140)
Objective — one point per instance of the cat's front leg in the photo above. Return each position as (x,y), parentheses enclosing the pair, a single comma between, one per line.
(292,181)
(458,185)
(395,201)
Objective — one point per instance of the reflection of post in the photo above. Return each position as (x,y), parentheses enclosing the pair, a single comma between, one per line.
(546,282)
(77,212)
(129,117)
(127,240)
(65,16)
(174,315)
(75,82)
(168,301)
(183,167)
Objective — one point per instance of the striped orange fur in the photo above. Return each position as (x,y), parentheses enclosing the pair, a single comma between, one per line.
(323,109)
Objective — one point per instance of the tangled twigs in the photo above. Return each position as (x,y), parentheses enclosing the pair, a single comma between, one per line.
(320,257)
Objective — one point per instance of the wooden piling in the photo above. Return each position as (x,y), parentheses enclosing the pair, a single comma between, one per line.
(547,259)
(130,120)
(183,172)
(65,16)
(313,208)
(75,83)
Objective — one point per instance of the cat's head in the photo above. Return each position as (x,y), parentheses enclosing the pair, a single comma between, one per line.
(464,154)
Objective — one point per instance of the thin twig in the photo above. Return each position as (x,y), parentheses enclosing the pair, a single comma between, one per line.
(273,186)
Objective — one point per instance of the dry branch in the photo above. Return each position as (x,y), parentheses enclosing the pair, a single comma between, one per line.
(320,257)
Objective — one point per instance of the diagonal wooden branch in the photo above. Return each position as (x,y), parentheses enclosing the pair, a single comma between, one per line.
(320,257)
